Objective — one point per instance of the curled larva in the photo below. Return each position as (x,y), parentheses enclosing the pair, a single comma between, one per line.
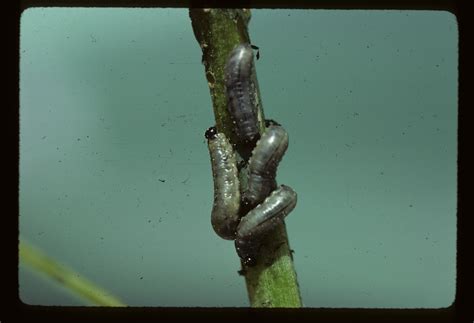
(225,210)
(241,97)
(263,164)
(261,220)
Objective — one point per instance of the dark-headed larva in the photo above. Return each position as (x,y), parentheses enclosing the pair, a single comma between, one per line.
(263,164)
(240,90)
(225,210)
(261,220)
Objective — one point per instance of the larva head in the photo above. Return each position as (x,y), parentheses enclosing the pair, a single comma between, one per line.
(249,261)
(211,133)
(247,250)
(271,122)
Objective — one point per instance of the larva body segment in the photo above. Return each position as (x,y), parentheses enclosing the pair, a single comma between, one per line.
(241,94)
(263,164)
(225,210)
(261,220)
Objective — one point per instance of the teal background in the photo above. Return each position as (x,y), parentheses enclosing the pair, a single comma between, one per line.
(115,179)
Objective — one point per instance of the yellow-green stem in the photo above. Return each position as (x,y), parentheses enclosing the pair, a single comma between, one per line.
(69,279)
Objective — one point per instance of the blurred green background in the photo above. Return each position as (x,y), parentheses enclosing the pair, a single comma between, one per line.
(115,179)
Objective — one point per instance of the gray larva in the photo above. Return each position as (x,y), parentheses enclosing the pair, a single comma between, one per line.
(263,164)
(240,90)
(261,220)
(225,210)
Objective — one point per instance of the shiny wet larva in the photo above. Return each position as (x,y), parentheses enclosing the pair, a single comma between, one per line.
(263,164)
(261,220)
(225,210)
(241,94)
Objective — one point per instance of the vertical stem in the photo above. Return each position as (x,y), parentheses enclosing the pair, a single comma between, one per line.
(272,283)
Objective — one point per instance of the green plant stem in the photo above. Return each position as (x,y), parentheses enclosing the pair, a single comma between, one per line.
(69,279)
(272,283)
